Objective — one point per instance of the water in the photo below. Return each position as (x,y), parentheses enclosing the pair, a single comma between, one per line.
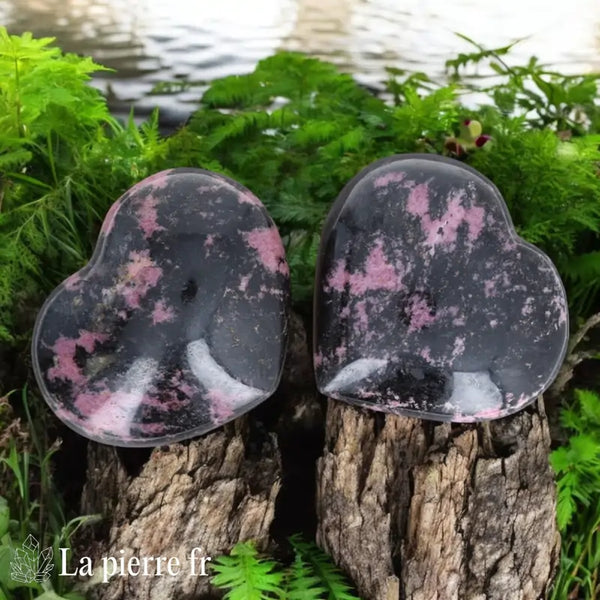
(149,41)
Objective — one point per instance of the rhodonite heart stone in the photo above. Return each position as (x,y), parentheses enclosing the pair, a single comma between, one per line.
(428,304)
(177,324)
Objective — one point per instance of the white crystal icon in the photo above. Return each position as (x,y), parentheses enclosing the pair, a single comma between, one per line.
(29,564)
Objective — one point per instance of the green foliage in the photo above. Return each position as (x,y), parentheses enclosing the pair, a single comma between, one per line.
(545,97)
(295,131)
(63,161)
(577,465)
(311,576)
(312,572)
(246,575)
(556,210)
(302,583)
(33,506)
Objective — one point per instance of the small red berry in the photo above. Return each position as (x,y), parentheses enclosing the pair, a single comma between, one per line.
(481,140)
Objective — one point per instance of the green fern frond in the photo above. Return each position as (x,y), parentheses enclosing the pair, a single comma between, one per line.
(239,125)
(246,575)
(14,158)
(304,584)
(583,273)
(577,464)
(328,575)
(317,132)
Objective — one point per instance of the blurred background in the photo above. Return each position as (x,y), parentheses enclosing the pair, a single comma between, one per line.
(150,41)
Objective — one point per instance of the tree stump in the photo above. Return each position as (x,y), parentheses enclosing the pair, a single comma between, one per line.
(429,511)
(211,493)
(410,509)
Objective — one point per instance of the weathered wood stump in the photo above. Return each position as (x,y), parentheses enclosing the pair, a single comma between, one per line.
(210,493)
(424,511)
(410,509)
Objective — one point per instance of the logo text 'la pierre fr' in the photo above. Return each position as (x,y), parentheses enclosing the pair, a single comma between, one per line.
(29,564)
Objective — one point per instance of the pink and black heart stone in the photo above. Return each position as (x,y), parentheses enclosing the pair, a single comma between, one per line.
(428,304)
(178,323)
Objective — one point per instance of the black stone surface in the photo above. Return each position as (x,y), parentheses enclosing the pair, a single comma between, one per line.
(428,304)
(178,323)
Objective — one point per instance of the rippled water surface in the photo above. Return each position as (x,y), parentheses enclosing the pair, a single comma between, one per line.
(148,41)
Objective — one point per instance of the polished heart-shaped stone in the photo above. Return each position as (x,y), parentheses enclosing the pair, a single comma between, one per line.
(177,324)
(427,302)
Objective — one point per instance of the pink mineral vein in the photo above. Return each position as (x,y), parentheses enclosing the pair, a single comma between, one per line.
(249,198)
(345,312)
(158,180)
(162,313)
(72,282)
(339,277)
(444,231)
(392,177)
(341,351)
(267,243)
(318,359)
(221,406)
(179,381)
(244,280)
(64,349)
(165,400)
(489,413)
(116,413)
(489,288)
(148,216)
(558,304)
(109,219)
(528,306)
(459,347)
(152,429)
(420,314)
(418,200)
(378,273)
(89,401)
(141,275)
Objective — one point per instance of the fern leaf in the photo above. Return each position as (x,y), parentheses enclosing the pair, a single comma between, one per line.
(329,576)
(304,584)
(590,406)
(246,575)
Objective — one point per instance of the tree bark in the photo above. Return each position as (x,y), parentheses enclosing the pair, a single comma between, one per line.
(422,511)
(210,492)
(410,509)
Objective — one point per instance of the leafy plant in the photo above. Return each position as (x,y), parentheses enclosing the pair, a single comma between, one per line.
(31,512)
(577,465)
(313,571)
(246,575)
(545,97)
(296,130)
(63,161)
(311,576)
